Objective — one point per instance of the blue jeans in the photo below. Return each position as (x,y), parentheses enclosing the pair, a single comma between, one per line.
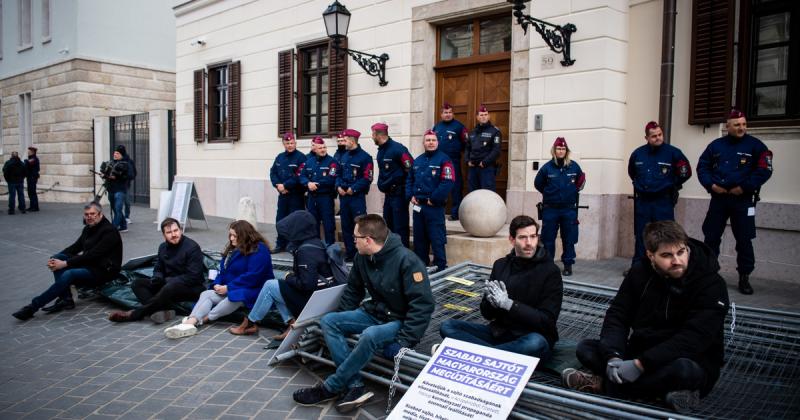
(118,203)
(336,326)
(64,278)
(533,344)
(127,208)
(15,191)
(270,294)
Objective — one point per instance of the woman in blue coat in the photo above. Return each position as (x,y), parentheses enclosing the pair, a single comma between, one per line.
(246,265)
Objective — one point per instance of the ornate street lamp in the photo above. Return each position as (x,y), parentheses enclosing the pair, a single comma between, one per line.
(556,38)
(337,20)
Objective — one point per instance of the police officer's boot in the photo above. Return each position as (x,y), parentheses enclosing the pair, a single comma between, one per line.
(744,285)
(567,270)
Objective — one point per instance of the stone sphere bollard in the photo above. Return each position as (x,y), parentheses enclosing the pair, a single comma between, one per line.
(247,211)
(482,213)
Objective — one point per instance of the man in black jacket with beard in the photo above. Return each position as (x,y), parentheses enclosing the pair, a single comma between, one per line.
(522,298)
(94,259)
(177,277)
(663,333)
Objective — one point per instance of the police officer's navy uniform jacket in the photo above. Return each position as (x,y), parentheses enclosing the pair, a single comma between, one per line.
(398,286)
(658,170)
(431,178)
(535,286)
(452,137)
(394,162)
(340,151)
(659,320)
(286,170)
(730,162)
(559,183)
(322,170)
(484,145)
(356,171)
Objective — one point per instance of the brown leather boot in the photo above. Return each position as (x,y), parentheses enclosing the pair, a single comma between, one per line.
(245,328)
(283,335)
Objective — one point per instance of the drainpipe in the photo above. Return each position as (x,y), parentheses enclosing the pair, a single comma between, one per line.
(667,68)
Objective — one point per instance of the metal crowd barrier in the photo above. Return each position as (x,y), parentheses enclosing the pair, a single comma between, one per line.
(761,377)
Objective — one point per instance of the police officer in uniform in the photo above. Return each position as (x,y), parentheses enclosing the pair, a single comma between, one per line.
(341,146)
(560,180)
(732,169)
(285,177)
(427,187)
(452,141)
(352,184)
(658,170)
(483,149)
(394,162)
(319,177)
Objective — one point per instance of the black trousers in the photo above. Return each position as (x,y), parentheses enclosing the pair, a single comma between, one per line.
(681,374)
(158,296)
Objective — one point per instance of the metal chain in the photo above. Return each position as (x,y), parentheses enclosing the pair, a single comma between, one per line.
(395,377)
(733,323)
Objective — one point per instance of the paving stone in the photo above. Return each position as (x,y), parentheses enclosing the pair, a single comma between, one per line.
(120,386)
(259,395)
(224,398)
(304,412)
(116,408)
(101,397)
(151,406)
(271,415)
(240,386)
(174,412)
(42,413)
(136,395)
(208,411)
(79,411)
(84,390)
(64,402)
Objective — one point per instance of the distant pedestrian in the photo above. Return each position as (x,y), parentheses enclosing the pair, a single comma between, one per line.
(14,173)
(32,176)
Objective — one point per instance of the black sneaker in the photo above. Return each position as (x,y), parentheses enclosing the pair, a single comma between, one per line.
(25,313)
(567,270)
(354,398)
(683,402)
(314,395)
(59,306)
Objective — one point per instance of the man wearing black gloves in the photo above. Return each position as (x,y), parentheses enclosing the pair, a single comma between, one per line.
(397,315)
(94,259)
(522,299)
(663,333)
(177,277)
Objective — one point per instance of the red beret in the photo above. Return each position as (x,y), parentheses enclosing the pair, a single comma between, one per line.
(446,105)
(351,133)
(340,134)
(560,142)
(288,136)
(317,140)
(650,126)
(380,126)
(482,108)
(32,148)
(735,114)
(429,132)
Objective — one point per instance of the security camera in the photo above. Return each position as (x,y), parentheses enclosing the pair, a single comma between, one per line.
(199,41)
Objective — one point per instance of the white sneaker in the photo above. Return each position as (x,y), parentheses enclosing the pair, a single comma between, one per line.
(128,221)
(434,348)
(161,317)
(180,331)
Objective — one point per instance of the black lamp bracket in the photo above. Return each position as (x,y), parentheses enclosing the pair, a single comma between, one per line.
(374,65)
(555,36)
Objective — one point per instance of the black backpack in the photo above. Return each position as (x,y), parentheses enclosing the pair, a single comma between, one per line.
(335,260)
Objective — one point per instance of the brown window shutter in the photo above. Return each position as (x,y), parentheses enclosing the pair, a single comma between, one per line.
(711,86)
(337,89)
(199,106)
(235,97)
(285,91)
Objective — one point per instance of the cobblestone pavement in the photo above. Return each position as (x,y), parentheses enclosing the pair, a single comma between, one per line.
(76,364)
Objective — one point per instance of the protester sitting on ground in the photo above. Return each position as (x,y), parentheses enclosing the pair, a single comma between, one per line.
(246,265)
(94,259)
(310,271)
(662,336)
(396,316)
(522,299)
(177,277)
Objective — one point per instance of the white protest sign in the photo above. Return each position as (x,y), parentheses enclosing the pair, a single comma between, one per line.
(466,381)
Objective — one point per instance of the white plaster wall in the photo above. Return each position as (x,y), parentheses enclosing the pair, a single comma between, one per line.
(63,34)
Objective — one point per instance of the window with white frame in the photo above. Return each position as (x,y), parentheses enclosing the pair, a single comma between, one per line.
(24,14)
(25,121)
(45,21)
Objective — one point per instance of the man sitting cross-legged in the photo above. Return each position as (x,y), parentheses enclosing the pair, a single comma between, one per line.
(662,336)
(396,316)
(177,277)
(522,298)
